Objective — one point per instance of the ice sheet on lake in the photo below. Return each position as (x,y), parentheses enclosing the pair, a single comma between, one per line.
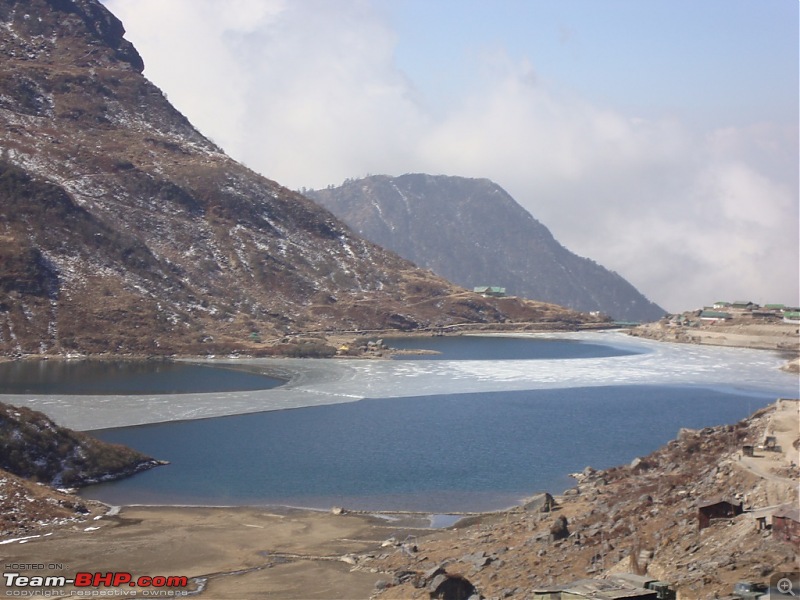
(317,382)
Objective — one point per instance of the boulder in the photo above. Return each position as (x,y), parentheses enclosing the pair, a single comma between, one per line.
(559,530)
(540,503)
(451,587)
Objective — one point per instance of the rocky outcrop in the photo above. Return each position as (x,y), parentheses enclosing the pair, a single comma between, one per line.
(540,503)
(87,21)
(34,447)
(30,510)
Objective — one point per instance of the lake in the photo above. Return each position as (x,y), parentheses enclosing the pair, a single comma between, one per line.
(476,347)
(455,452)
(114,377)
(442,435)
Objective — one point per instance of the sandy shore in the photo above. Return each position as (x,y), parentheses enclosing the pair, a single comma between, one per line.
(739,333)
(236,553)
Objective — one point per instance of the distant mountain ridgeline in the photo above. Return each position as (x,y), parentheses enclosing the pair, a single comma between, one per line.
(473,233)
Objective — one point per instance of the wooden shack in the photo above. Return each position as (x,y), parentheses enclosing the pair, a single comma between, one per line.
(717,509)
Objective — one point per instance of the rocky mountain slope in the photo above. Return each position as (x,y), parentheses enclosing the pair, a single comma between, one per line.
(29,509)
(473,233)
(37,455)
(124,230)
(34,447)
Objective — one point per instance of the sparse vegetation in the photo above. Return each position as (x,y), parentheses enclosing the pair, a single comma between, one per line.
(34,447)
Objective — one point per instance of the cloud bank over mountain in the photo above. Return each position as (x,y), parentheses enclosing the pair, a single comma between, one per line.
(310,93)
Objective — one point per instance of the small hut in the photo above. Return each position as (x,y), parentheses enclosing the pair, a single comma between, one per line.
(719,508)
(786,525)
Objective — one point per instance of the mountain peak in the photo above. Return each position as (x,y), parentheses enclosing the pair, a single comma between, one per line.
(62,30)
(472,232)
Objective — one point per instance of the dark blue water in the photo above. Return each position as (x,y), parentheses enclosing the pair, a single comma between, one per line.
(437,453)
(500,348)
(125,378)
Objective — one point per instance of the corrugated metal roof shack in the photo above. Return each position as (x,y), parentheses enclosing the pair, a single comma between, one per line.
(786,525)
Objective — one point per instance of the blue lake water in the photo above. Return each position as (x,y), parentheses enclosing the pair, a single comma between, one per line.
(474,347)
(474,429)
(452,452)
(92,377)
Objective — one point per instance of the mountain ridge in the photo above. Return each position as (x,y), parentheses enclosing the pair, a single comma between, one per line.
(124,230)
(473,233)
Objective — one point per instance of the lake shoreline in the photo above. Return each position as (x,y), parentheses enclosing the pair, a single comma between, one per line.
(772,337)
(778,337)
(250,552)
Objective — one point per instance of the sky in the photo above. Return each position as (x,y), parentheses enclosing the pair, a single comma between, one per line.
(658,138)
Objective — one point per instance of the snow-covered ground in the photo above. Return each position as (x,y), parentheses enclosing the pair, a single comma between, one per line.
(318,382)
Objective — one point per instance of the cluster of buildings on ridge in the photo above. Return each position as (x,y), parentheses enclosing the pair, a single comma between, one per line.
(741,309)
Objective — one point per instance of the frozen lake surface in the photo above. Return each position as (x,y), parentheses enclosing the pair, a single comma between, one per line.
(424,434)
(312,382)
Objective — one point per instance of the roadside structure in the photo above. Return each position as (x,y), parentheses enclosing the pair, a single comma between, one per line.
(786,524)
(718,508)
(791,317)
(714,315)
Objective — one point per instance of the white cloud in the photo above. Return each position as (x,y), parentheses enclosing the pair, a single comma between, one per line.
(190,49)
(686,216)
(304,92)
(307,93)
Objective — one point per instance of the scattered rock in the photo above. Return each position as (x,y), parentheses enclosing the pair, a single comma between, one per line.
(540,503)
(559,530)
(450,587)
(430,574)
(478,559)
(381,584)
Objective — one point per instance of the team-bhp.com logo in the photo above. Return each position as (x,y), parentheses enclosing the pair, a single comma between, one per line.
(94,584)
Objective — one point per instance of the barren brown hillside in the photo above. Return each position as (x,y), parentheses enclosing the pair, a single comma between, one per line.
(124,230)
